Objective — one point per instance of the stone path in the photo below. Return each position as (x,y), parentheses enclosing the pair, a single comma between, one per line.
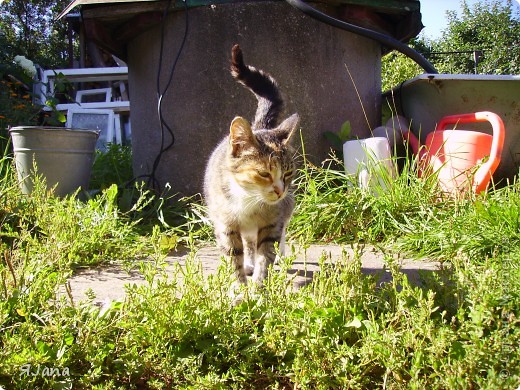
(108,282)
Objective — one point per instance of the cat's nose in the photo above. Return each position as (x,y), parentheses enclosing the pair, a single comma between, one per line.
(278,190)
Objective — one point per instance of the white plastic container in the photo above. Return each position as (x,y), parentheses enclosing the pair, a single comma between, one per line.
(369,162)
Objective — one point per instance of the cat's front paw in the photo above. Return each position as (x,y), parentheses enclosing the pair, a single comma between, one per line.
(237,293)
(249,269)
(238,299)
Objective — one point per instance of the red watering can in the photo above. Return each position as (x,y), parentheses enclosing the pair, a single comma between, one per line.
(462,159)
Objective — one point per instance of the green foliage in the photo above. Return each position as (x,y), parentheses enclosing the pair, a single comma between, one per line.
(396,68)
(489,26)
(66,232)
(29,28)
(337,139)
(459,329)
(332,207)
(177,216)
(16,107)
(484,228)
(113,166)
(62,93)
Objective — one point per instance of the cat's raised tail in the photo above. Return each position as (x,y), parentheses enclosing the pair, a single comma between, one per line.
(263,86)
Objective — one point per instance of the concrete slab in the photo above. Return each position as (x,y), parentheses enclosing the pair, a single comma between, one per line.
(108,282)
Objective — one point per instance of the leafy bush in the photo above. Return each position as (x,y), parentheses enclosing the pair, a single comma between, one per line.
(396,68)
(484,39)
(16,107)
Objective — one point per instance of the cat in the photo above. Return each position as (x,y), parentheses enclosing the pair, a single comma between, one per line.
(247,183)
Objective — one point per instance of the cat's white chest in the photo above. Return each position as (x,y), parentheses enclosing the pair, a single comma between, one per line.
(244,207)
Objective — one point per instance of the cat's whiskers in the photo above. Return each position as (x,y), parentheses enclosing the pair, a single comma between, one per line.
(256,202)
(249,204)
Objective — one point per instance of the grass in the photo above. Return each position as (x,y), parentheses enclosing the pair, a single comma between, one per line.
(332,207)
(461,329)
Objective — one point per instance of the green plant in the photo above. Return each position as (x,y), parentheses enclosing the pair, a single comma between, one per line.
(483,228)
(51,116)
(16,107)
(113,166)
(396,68)
(331,206)
(337,139)
(16,99)
(458,329)
(487,29)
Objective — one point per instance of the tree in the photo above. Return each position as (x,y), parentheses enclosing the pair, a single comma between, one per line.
(29,28)
(490,29)
(396,67)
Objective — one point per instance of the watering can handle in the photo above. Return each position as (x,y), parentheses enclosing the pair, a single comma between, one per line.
(483,174)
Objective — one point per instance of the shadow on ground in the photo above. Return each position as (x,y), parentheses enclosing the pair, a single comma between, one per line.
(108,282)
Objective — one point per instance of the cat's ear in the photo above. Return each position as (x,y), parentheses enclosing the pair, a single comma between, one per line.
(287,128)
(241,136)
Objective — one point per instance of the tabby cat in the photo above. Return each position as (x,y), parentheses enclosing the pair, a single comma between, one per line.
(247,184)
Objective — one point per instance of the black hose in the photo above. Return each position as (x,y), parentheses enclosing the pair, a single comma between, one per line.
(382,38)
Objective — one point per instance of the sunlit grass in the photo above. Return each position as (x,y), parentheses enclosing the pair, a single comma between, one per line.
(460,329)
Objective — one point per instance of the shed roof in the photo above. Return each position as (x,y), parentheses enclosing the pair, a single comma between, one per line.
(112,23)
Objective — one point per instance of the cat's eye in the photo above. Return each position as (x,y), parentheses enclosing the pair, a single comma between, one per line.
(264,174)
(288,174)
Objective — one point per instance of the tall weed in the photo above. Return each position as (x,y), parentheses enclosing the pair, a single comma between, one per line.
(332,207)
(486,227)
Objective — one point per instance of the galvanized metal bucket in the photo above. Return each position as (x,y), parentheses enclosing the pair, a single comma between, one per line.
(63,156)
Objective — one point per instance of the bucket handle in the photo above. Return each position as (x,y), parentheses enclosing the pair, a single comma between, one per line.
(483,174)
